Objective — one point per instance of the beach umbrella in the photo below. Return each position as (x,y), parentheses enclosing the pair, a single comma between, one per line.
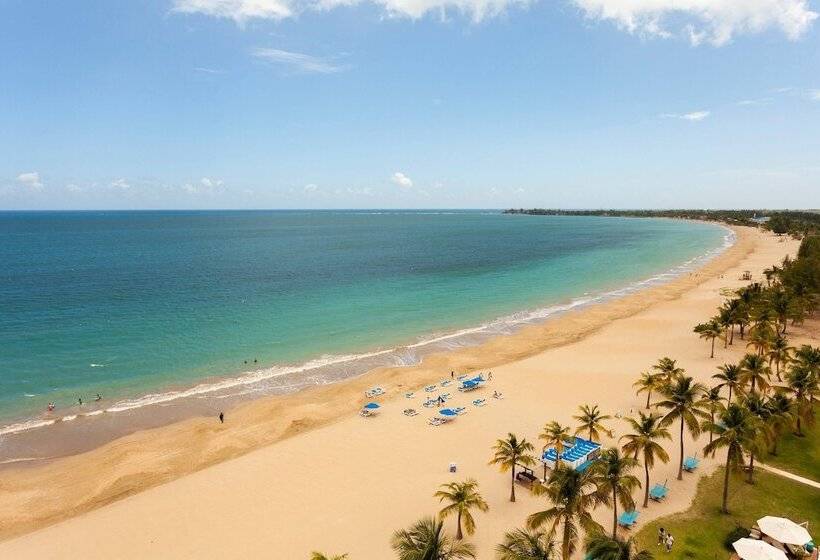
(752,549)
(784,530)
(448,412)
(371,406)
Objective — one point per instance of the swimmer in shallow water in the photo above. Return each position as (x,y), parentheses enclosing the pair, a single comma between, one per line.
(99,398)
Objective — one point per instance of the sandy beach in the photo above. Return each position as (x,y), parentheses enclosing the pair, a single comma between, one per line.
(287,475)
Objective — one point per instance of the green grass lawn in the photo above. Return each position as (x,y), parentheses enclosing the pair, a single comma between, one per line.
(701,530)
(799,455)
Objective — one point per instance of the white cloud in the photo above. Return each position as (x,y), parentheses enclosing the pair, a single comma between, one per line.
(238,10)
(31,180)
(713,21)
(74,188)
(121,184)
(310,188)
(401,180)
(694,116)
(299,62)
(206,185)
(814,94)
(243,10)
(205,70)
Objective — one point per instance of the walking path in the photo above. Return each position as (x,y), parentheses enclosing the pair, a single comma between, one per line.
(787,474)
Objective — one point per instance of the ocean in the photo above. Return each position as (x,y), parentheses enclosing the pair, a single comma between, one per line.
(147,308)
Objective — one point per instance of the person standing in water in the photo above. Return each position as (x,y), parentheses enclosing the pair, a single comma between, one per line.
(221,417)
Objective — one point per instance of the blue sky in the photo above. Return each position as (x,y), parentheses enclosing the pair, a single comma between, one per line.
(409,103)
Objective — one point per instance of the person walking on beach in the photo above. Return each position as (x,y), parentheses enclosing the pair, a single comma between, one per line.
(452,375)
(661,536)
(221,417)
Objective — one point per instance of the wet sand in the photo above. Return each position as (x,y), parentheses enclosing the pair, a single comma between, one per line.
(306,472)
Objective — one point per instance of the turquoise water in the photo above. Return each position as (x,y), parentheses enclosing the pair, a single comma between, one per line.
(130,303)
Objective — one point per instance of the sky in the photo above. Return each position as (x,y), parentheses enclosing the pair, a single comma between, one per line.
(409,104)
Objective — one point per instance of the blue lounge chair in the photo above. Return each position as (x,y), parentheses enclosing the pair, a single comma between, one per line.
(658,492)
(628,518)
(690,464)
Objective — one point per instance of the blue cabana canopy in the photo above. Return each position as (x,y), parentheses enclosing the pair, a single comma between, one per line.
(448,412)
(371,406)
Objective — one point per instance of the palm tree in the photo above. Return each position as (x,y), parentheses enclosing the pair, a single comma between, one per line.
(320,556)
(755,372)
(780,353)
(735,431)
(809,358)
(644,442)
(602,547)
(612,475)
(525,545)
(780,303)
(463,496)
(682,404)
(803,386)
(573,495)
(710,331)
(760,340)
(732,310)
(731,377)
(509,453)
(757,407)
(727,323)
(712,402)
(668,369)
(781,415)
(591,420)
(554,435)
(648,383)
(425,540)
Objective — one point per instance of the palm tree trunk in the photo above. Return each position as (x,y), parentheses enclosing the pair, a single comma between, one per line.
(512,483)
(565,543)
(614,512)
(648,396)
(774,442)
(459,535)
(751,468)
(725,507)
(713,348)
(726,338)
(646,486)
(777,369)
(799,431)
(730,395)
(680,466)
(732,334)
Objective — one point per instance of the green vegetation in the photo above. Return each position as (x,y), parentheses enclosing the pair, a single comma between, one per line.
(796,223)
(798,455)
(702,530)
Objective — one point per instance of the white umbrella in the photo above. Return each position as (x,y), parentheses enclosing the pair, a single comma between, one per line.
(752,549)
(784,530)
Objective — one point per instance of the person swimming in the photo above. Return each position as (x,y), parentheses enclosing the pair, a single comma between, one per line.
(50,406)
(99,398)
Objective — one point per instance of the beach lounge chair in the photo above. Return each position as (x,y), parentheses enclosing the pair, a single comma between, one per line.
(374,392)
(628,519)
(658,492)
(445,396)
(498,396)
(410,412)
(364,413)
(430,388)
(435,421)
(430,403)
(460,410)
(690,464)
(409,395)
(479,402)
(445,382)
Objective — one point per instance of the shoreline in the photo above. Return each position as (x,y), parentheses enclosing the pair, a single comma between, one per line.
(39,439)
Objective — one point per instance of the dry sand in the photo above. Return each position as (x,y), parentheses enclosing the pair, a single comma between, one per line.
(345,483)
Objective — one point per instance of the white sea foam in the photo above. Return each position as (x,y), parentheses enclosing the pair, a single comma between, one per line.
(401,356)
